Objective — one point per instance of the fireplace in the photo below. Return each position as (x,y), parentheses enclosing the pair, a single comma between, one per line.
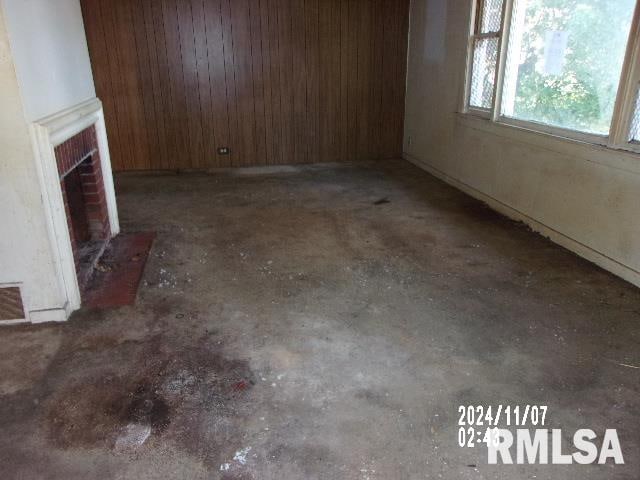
(83,192)
(73,169)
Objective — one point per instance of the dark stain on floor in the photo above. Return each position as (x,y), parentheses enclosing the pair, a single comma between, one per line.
(92,415)
(97,385)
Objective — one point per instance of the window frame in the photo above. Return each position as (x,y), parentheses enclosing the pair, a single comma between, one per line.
(476,34)
(625,104)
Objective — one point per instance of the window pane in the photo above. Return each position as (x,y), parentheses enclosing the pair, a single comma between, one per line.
(564,62)
(485,54)
(491,16)
(635,123)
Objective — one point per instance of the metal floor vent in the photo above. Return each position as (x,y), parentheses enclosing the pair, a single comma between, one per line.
(11,308)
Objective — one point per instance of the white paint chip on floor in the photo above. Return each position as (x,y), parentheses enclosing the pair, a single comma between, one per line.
(134,435)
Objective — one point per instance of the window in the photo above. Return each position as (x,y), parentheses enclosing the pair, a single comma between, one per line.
(634,135)
(485,43)
(560,66)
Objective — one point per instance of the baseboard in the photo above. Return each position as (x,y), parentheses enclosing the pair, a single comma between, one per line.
(8,323)
(54,315)
(623,271)
(46,316)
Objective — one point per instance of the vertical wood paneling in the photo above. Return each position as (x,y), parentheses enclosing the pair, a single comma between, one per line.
(235,139)
(285,69)
(375,125)
(177,98)
(276,81)
(191,83)
(153,93)
(273,66)
(218,108)
(299,74)
(207,130)
(326,76)
(145,83)
(364,79)
(244,82)
(351,46)
(116,94)
(162,89)
(334,81)
(343,104)
(96,37)
(312,59)
(133,89)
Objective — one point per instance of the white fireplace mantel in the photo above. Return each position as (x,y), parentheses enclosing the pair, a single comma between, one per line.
(46,134)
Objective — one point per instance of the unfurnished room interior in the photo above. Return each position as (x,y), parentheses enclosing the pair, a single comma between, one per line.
(320,239)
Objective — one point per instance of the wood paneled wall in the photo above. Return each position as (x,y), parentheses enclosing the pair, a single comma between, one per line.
(276,81)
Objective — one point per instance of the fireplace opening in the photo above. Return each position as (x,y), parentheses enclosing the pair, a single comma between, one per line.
(84,198)
(77,208)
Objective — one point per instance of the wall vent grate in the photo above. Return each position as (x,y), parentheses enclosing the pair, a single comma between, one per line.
(11,307)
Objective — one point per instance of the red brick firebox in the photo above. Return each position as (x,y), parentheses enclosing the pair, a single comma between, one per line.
(83,192)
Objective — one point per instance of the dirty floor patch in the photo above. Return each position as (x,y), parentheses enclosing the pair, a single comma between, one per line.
(321,323)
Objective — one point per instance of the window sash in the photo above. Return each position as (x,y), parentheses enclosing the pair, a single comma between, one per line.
(476,35)
(634,130)
(628,90)
(477,39)
(628,87)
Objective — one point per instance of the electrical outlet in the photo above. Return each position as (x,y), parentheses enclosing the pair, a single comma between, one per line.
(409,140)
(224,151)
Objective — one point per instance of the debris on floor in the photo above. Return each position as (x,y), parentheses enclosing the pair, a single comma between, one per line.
(134,435)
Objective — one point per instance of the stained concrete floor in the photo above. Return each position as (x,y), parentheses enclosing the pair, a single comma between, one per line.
(321,323)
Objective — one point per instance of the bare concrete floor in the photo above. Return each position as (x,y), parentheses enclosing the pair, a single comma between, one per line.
(321,323)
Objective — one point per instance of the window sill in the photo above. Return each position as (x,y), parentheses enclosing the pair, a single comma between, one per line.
(610,157)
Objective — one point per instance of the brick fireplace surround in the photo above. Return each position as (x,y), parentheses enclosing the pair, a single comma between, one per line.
(83,192)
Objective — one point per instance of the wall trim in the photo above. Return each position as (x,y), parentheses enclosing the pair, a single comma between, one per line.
(46,134)
(52,315)
(619,269)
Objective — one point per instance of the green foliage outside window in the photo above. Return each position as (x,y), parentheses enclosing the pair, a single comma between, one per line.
(582,96)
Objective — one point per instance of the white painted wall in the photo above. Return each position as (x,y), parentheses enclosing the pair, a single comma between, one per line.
(584,197)
(50,54)
(44,69)
(25,252)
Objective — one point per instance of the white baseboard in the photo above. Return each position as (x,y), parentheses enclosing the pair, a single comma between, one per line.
(623,271)
(54,315)
(46,316)
(6,323)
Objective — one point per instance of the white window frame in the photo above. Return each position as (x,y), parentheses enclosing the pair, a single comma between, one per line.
(624,109)
(476,34)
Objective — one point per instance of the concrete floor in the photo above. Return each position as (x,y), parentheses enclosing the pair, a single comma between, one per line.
(322,323)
